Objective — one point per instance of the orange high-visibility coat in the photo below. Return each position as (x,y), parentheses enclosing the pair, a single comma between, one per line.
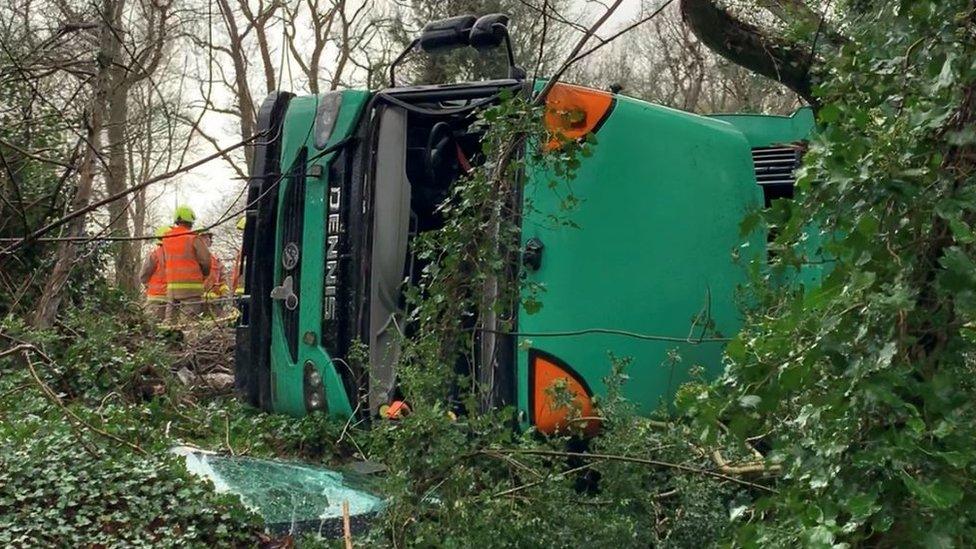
(183,271)
(215,285)
(156,287)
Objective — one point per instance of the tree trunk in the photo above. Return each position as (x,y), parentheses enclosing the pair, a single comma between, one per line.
(245,101)
(67,251)
(116,181)
(748,46)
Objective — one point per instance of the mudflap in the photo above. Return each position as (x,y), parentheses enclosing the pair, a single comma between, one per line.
(252,353)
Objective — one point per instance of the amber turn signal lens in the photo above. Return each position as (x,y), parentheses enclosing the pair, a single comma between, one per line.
(548,376)
(574,111)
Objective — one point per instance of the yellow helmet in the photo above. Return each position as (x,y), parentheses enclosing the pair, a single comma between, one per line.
(160,231)
(241,223)
(184,214)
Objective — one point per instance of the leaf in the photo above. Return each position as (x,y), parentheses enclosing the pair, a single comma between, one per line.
(829,114)
(532,305)
(938,494)
(946,76)
(749,401)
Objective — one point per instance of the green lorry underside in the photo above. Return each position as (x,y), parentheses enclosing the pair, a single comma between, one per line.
(662,199)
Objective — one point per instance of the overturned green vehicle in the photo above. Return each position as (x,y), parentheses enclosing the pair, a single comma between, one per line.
(346,180)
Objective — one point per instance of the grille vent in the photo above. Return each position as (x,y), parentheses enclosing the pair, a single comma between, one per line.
(776,170)
(292,215)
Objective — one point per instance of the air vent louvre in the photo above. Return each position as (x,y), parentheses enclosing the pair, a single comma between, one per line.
(776,170)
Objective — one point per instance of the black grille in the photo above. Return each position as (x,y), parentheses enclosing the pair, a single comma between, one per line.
(293,213)
(776,170)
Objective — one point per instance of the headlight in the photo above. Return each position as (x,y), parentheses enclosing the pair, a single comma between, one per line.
(313,387)
(325,117)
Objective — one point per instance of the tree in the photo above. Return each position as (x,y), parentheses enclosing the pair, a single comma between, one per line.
(861,388)
(664,62)
(762,50)
(129,63)
(93,124)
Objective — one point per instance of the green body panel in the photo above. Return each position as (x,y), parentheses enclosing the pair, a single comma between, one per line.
(768,131)
(763,130)
(662,199)
(287,376)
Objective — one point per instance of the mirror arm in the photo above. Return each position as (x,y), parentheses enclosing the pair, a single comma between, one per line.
(400,58)
(513,71)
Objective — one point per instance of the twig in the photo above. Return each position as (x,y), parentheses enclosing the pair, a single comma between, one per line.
(16,349)
(227,435)
(346,529)
(112,198)
(542,480)
(571,58)
(622,31)
(756,466)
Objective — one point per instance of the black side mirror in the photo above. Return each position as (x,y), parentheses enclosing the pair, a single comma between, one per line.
(482,33)
(489,31)
(447,34)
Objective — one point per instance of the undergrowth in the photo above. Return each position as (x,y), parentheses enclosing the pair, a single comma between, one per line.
(85,446)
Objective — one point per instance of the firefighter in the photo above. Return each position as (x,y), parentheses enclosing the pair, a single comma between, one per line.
(153,277)
(215,286)
(187,266)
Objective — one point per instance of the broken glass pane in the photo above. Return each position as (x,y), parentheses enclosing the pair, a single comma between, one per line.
(291,497)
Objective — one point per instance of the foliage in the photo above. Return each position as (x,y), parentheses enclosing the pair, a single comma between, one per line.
(104,474)
(863,387)
(54,494)
(475,482)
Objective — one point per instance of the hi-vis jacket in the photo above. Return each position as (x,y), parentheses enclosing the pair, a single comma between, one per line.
(153,275)
(215,286)
(187,261)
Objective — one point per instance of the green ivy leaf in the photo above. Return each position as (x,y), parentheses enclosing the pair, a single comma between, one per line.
(938,494)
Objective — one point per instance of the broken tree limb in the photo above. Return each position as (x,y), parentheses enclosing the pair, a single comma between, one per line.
(642,461)
(749,46)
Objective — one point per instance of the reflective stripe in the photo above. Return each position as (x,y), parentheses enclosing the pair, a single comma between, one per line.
(185,286)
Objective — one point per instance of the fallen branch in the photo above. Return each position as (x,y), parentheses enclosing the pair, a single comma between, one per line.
(642,461)
(542,480)
(750,467)
(72,417)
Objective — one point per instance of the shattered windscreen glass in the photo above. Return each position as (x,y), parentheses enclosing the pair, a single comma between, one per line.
(290,496)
